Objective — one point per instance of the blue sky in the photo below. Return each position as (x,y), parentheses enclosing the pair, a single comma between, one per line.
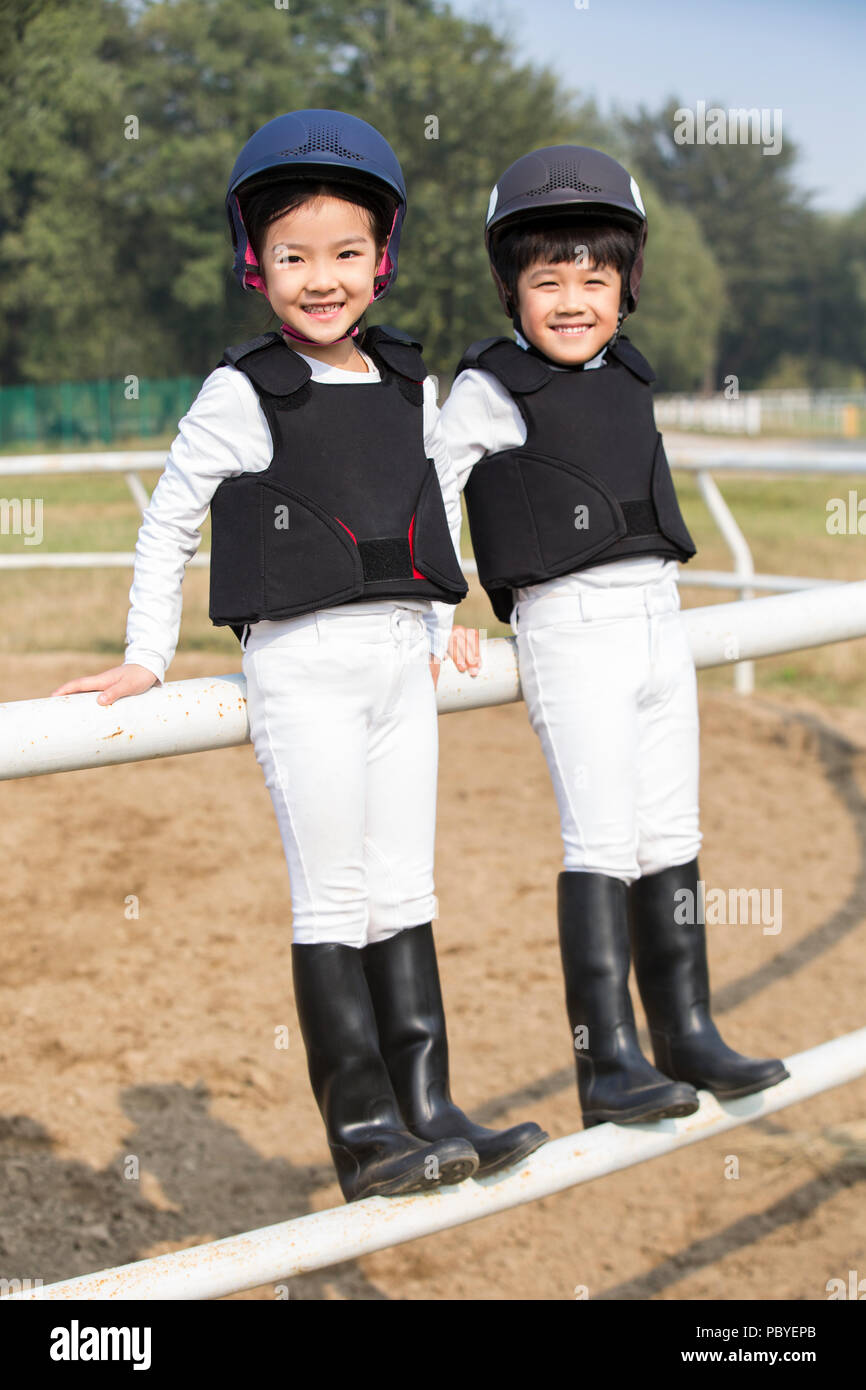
(807,58)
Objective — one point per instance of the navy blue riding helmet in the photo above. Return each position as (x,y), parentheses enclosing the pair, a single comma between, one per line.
(336,147)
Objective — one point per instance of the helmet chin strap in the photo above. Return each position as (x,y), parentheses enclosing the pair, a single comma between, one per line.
(619,322)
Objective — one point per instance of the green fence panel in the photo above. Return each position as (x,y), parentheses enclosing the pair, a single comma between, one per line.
(79,415)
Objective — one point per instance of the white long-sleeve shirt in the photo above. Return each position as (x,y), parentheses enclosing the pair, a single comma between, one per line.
(225,433)
(481,417)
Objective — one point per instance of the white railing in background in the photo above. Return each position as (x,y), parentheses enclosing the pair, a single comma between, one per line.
(43,465)
(710,413)
(839,413)
(699,456)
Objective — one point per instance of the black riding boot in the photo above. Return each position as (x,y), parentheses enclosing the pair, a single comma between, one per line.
(404,985)
(373,1152)
(670,960)
(614,1080)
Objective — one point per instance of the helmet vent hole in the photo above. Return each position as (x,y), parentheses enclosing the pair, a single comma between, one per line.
(324,137)
(564,174)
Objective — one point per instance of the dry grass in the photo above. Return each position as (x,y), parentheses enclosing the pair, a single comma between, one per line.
(85,610)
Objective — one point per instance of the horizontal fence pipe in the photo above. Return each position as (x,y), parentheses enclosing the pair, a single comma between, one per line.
(65,732)
(752,628)
(686,453)
(21,465)
(773,583)
(116,559)
(290,1248)
(68,732)
(687,578)
(753,460)
(81,559)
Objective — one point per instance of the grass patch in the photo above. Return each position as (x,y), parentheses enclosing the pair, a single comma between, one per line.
(85,611)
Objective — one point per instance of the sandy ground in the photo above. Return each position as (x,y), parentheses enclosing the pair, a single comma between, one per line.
(152,1038)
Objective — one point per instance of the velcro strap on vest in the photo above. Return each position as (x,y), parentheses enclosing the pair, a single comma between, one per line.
(397,350)
(640,518)
(271,365)
(518,371)
(388,557)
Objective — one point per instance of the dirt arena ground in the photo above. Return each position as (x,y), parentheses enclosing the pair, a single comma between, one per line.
(153,1036)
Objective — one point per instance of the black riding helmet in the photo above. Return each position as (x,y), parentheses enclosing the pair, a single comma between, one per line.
(566,181)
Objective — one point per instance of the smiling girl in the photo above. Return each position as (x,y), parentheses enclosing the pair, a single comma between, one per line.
(335,521)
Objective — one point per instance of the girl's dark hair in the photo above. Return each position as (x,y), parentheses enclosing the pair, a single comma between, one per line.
(263,205)
(517,248)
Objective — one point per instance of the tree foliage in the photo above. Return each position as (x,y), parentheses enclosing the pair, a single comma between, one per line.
(121,119)
(785,268)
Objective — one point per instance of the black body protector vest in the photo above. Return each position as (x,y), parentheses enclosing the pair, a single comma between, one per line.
(590,485)
(349,507)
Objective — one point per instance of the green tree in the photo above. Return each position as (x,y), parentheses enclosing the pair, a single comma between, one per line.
(760,229)
(120,122)
(841,274)
(682,298)
(61,96)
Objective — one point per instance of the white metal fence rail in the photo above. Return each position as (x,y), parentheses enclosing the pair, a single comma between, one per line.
(699,456)
(67,732)
(325,1238)
(753,412)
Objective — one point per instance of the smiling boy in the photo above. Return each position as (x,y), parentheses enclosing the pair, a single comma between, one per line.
(577,533)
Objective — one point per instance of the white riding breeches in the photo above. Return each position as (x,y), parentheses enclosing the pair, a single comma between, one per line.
(609,681)
(343,719)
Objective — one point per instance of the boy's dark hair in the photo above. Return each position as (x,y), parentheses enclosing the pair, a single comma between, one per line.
(516,248)
(263,205)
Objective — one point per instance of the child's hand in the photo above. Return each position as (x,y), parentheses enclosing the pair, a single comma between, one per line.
(464,649)
(129,679)
(435,665)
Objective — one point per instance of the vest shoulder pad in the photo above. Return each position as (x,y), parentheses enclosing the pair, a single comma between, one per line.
(626,352)
(397,350)
(270,364)
(517,370)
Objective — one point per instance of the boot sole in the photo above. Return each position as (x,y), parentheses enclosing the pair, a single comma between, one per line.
(640,1117)
(458,1170)
(415,1179)
(738,1091)
(515,1155)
